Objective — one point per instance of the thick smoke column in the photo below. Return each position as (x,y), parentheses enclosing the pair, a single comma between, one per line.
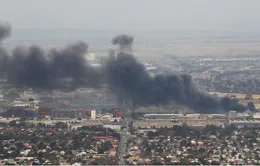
(130,80)
(5,31)
(124,42)
(58,69)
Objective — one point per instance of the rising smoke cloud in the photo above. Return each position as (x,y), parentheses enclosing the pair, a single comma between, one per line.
(124,42)
(124,75)
(56,69)
(130,81)
(5,31)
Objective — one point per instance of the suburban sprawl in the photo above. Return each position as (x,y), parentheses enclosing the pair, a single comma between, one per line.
(75,106)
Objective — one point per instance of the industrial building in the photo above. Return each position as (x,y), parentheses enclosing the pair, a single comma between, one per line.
(232,114)
(71,113)
(114,127)
(218,116)
(245,123)
(23,108)
(243,115)
(162,116)
(45,109)
(235,115)
(24,104)
(193,115)
(256,116)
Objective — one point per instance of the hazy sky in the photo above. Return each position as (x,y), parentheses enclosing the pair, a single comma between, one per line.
(132,14)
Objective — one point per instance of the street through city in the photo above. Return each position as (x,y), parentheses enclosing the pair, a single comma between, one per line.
(125,135)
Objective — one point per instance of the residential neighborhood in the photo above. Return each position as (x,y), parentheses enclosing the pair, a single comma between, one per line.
(23,143)
(183,145)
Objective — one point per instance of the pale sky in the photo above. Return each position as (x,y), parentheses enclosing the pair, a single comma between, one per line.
(132,14)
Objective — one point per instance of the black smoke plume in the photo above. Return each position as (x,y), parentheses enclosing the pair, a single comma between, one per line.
(130,81)
(124,42)
(56,69)
(5,31)
(124,75)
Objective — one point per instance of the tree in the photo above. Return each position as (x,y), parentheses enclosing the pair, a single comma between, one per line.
(148,152)
(41,145)
(251,106)
(145,144)
(19,145)
(168,161)
(12,123)
(101,150)
(215,163)
(53,145)
(151,134)
(211,129)
(156,162)
(47,138)
(107,145)
(182,131)
(61,125)
(53,159)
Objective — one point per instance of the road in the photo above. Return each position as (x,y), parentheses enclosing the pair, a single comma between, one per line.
(125,135)
(237,144)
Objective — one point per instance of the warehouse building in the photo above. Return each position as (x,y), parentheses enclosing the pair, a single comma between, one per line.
(162,116)
(69,113)
(245,123)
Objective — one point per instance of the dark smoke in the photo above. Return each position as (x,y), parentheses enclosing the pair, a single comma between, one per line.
(130,81)
(124,75)
(57,69)
(124,42)
(5,31)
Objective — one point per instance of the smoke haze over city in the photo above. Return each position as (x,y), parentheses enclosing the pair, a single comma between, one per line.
(125,76)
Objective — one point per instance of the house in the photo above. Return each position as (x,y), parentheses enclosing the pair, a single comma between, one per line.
(112,152)
(95,156)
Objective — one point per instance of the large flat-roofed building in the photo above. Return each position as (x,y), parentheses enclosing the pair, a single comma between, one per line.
(232,114)
(23,104)
(193,115)
(243,115)
(162,116)
(245,123)
(256,116)
(45,109)
(114,127)
(218,116)
(153,123)
(65,114)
